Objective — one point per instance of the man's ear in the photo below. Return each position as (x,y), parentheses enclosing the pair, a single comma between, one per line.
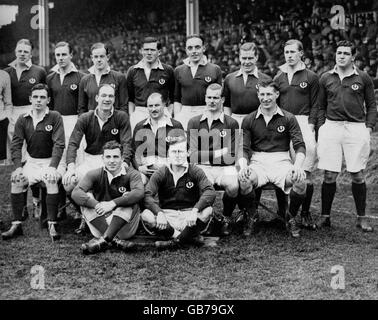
(96,97)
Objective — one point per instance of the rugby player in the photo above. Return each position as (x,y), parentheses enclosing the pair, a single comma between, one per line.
(299,90)
(100,74)
(267,133)
(147,76)
(212,145)
(178,199)
(347,116)
(109,197)
(5,114)
(43,132)
(192,79)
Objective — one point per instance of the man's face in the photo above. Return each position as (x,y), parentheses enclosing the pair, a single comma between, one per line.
(268,97)
(112,159)
(23,53)
(100,59)
(344,57)
(150,52)
(39,100)
(292,54)
(194,49)
(155,107)
(105,98)
(178,153)
(248,60)
(63,57)
(213,100)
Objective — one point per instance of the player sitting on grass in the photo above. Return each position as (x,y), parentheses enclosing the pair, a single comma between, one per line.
(267,133)
(43,132)
(109,198)
(178,199)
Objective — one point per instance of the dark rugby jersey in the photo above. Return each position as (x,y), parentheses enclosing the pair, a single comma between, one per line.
(242,98)
(117,128)
(300,97)
(64,98)
(21,88)
(146,143)
(193,190)
(88,90)
(97,182)
(274,137)
(45,141)
(191,91)
(203,141)
(139,88)
(349,100)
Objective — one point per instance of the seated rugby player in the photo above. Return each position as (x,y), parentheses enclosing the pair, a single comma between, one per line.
(109,198)
(149,138)
(42,130)
(267,133)
(178,198)
(212,145)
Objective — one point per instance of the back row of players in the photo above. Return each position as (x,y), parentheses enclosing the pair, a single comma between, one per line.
(137,110)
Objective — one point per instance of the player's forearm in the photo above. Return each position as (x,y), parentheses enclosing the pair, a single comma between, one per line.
(81,198)
(131,107)
(177,108)
(299,159)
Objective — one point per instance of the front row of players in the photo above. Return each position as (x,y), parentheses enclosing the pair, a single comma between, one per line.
(179,195)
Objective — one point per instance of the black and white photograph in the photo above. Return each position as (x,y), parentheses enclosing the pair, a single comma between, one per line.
(191,156)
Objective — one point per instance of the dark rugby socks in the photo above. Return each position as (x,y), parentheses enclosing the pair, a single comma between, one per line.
(296,200)
(190,232)
(281,202)
(115,225)
(166,233)
(307,201)
(328,194)
(100,224)
(52,204)
(228,204)
(247,201)
(359,195)
(18,202)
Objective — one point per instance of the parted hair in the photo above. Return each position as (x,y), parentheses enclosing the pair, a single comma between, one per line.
(111,145)
(40,86)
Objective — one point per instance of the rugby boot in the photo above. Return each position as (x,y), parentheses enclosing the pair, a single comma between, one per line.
(325,222)
(306,221)
(14,231)
(169,244)
(292,227)
(123,245)
(54,235)
(94,246)
(363,224)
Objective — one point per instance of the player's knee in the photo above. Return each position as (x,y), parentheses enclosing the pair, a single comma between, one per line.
(300,187)
(232,189)
(148,217)
(358,177)
(330,176)
(205,214)
(19,186)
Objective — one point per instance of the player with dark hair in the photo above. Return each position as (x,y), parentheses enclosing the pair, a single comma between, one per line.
(149,139)
(147,76)
(178,198)
(240,87)
(267,133)
(43,132)
(213,139)
(191,80)
(99,74)
(347,116)
(109,198)
(299,90)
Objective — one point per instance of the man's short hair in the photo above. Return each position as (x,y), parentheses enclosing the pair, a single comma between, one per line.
(40,86)
(268,83)
(175,137)
(99,45)
(346,43)
(111,145)
(25,41)
(152,40)
(153,94)
(195,36)
(294,41)
(105,85)
(64,44)
(249,46)
(214,86)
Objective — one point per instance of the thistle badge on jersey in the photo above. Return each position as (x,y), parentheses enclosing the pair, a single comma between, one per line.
(49,127)
(355,87)
(112,85)
(122,189)
(161,81)
(189,185)
(208,79)
(303,85)
(223,133)
(257,86)
(280,129)
(73,86)
(32,80)
(114,131)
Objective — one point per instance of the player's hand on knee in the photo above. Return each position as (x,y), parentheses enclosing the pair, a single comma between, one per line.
(17,176)
(161,221)
(100,210)
(244,174)
(50,176)
(69,177)
(298,175)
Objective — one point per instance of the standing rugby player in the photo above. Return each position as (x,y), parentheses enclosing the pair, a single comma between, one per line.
(43,132)
(299,91)
(347,115)
(191,80)
(147,76)
(5,114)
